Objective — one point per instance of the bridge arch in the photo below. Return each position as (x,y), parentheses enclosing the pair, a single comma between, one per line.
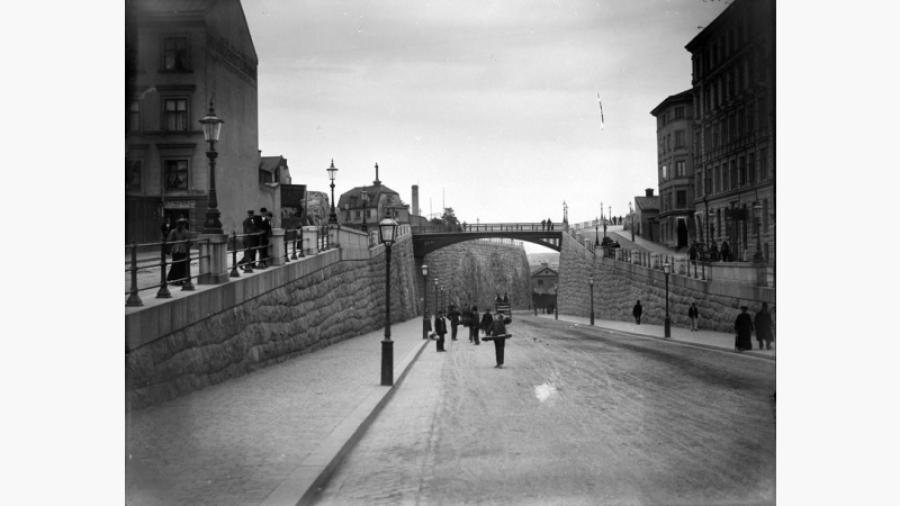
(429,239)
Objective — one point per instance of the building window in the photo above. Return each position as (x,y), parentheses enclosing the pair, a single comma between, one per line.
(679,139)
(133,175)
(763,165)
(751,168)
(708,182)
(175,54)
(679,168)
(176,174)
(742,164)
(734,174)
(133,122)
(664,172)
(668,142)
(175,112)
(679,112)
(750,114)
(541,282)
(765,210)
(741,119)
(724,178)
(681,199)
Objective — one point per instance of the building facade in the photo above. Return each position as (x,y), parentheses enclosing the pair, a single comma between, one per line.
(646,216)
(180,56)
(733,88)
(674,154)
(371,204)
(544,282)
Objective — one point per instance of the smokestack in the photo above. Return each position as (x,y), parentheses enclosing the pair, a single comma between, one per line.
(415,200)
(649,192)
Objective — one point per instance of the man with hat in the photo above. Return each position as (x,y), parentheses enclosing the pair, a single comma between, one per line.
(265,230)
(250,241)
(743,325)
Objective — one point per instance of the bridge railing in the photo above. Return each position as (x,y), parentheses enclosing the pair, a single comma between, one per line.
(488,228)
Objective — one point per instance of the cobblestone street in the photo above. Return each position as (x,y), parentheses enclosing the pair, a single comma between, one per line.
(577,416)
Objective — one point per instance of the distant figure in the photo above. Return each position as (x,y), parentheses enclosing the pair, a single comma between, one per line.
(465,227)
(453,314)
(180,252)
(473,326)
(486,321)
(440,328)
(264,225)
(693,314)
(543,225)
(763,323)
(713,252)
(725,252)
(692,252)
(498,332)
(743,325)
(250,241)
(549,224)
(636,312)
(505,298)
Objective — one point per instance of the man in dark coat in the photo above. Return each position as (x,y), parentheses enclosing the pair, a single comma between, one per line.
(486,321)
(725,252)
(454,321)
(440,328)
(264,224)
(637,311)
(250,240)
(473,326)
(763,323)
(499,335)
(743,325)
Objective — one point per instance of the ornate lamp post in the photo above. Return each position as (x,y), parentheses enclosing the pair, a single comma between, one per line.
(212,128)
(668,322)
(591,283)
(365,200)
(425,301)
(332,218)
(387,230)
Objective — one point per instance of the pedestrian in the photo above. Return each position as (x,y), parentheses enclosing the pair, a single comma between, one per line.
(265,230)
(180,246)
(499,336)
(636,311)
(250,241)
(453,314)
(743,326)
(486,321)
(763,324)
(693,314)
(505,298)
(725,252)
(166,227)
(543,225)
(693,253)
(713,252)
(473,326)
(549,224)
(440,328)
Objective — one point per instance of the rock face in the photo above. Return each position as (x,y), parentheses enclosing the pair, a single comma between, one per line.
(618,285)
(476,271)
(342,300)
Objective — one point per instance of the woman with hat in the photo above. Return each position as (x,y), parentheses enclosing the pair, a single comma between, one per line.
(179,240)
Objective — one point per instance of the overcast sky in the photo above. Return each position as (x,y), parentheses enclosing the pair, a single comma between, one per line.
(493,102)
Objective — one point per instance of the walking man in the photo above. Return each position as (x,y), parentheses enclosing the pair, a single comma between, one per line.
(499,336)
(763,323)
(250,241)
(743,326)
(636,312)
(693,314)
(454,321)
(440,328)
(473,326)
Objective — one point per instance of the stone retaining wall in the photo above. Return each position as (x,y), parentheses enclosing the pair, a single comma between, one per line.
(254,321)
(618,285)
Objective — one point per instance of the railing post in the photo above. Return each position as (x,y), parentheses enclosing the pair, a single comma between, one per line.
(187,286)
(163,292)
(234,269)
(302,252)
(133,298)
(277,244)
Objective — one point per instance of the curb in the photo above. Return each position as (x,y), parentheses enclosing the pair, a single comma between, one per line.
(671,340)
(310,477)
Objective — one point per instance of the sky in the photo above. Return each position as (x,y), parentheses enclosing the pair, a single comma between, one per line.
(491,107)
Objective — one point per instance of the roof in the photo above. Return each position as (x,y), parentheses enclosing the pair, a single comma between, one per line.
(270,163)
(173,6)
(374,192)
(647,203)
(685,96)
(540,270)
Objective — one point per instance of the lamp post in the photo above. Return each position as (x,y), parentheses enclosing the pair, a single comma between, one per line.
(437,304)
(387,230)
(631,212)
(591,283)
(364,195)
(212,127)
(332,218)
(425,301)
(668,322)
(757,213)
(597,232)
(442,299)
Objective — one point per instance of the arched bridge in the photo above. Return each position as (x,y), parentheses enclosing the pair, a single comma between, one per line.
(432,237)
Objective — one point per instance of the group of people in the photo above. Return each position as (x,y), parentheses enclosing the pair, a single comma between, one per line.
(257,230)
(744,325)
(493,328)
(546,224)
(713,254)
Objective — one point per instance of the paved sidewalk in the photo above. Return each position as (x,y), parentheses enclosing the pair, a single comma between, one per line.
(705,338)
(268,437)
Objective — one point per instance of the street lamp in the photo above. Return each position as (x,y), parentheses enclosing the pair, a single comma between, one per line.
(668,322)
(387,231)
(591,283)
(442,299)
(332,218)
(437,303)
(425,301)
(212,128)
(365,200)
(757,213)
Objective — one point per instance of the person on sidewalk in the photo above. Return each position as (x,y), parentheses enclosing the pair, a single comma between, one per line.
(693,314)
(486,321)
(636,312)
(250,240)
(440,328)
(499,336)
(743,325)
(180,252)
(725,252)
(763,323)
(473,326)
(453,314)
(264,226)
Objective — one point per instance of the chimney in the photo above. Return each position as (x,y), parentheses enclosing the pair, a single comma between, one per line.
(649,192)
(415,200)
(377,181)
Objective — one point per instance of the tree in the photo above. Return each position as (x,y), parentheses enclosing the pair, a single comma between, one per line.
(449,218)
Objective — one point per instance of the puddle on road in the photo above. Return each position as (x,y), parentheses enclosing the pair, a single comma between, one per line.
(544,391)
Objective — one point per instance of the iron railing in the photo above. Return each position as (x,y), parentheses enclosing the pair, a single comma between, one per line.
(174,276)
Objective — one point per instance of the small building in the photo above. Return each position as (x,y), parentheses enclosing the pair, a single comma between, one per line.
(646,215)
(371,204)
(544,282)
(675,162)
(274,169)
